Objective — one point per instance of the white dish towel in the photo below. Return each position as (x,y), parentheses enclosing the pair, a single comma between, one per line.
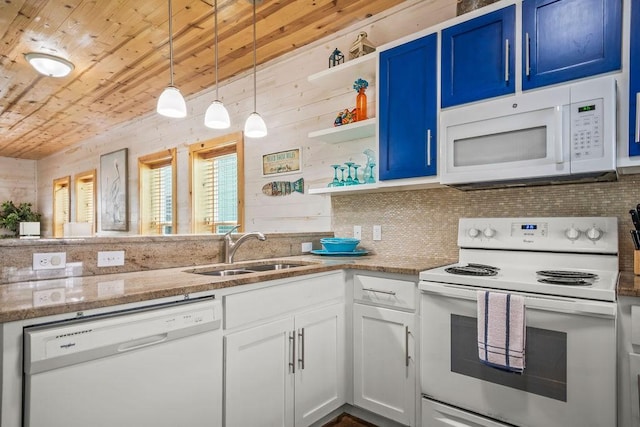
(501,330)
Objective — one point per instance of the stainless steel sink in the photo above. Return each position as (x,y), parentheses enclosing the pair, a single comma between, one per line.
(246,269)
(276,266)
(230,272)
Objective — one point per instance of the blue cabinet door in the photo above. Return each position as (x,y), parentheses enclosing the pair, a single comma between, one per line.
(408,109)
(478,58)
(569,39)
(634,81)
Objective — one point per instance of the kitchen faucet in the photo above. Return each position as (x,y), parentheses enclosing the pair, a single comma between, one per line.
(230,246)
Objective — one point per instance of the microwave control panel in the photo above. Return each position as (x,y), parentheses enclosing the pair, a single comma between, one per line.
(586,130)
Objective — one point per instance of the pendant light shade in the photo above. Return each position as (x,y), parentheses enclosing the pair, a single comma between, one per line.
(49,65)
(254,127)
(217,116)
(171,103)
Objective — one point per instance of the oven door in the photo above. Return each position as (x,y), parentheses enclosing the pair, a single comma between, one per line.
(570,374)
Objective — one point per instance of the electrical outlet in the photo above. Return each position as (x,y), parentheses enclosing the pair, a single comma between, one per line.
(307,246)
(357,232)
(377,232)
(48,297)
(110,258)
(49,261)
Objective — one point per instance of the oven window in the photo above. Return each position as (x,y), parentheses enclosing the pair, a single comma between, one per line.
(546,360)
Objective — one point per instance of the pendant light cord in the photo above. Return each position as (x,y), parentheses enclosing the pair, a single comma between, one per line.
(254,56)
(171,42)
(215,6)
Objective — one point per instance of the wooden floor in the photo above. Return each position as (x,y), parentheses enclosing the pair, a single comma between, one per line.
(346,420)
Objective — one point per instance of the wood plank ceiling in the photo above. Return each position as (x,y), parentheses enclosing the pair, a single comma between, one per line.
(121,57)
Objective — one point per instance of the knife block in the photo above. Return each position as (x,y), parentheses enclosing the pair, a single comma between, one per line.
(636,262)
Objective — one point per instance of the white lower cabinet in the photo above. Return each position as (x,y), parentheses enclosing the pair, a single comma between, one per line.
(384,362)
(288,372)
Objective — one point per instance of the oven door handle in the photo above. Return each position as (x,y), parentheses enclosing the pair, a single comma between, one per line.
(565,305)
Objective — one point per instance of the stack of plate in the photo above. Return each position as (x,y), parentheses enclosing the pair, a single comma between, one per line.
(339,246)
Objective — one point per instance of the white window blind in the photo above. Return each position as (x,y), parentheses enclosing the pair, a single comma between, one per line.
(219,191)
(85,197)
(161,199)
(61,204)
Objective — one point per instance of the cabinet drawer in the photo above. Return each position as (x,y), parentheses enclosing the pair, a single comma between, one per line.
(266,303)
(385,291)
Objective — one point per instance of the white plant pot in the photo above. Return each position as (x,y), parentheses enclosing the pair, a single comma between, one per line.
(29,230)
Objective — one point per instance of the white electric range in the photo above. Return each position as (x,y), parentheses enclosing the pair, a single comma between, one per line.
(566,268)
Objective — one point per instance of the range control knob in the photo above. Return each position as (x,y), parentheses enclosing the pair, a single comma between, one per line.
(572,234)
(489,232)
(594,234)
(473,232)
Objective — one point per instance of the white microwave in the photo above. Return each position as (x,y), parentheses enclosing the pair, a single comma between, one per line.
(560,134)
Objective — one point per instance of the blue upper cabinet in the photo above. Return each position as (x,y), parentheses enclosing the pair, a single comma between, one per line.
(569,39)
(408,109)
(634,81)
(478,58)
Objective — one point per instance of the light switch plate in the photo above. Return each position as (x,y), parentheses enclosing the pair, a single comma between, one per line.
(377,232)
(307,246)
(357,232)
(110,258)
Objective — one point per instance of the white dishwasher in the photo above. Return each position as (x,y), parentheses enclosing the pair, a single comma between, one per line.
(159,366)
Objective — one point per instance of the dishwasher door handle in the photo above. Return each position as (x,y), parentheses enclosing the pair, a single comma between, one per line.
(142,342)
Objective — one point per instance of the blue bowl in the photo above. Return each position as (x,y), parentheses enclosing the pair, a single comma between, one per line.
(338,244)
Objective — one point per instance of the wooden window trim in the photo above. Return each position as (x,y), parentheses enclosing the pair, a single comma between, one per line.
(153,161)
(79,179)
(214,147)
(61,183)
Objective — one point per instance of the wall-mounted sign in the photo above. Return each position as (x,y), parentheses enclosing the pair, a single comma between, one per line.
(282,162)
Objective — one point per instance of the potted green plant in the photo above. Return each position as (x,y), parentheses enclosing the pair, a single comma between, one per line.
(11,216)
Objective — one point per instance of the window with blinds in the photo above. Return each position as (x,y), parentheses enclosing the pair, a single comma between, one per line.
(86,198)
(61,204)
(217,184)
(157,174)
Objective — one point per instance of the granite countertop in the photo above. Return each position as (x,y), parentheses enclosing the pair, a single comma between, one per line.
(628,284)
(17,300)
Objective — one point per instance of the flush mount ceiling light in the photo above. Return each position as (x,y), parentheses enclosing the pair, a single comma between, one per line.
(254,127)
(171,103)
(217,116)
(49,65)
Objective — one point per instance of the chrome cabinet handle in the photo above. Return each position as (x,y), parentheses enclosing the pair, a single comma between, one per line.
(379,291)
(292,345)
(428,147)
(527,54)
(638,117)
(406,344)
(301,348)
(506,60)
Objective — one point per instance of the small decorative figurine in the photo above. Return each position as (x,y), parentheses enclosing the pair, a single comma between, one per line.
(361,46)
(336,58)
(345,117)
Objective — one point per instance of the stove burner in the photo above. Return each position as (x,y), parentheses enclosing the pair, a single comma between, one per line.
(473,270)
(570,281)
(564,274)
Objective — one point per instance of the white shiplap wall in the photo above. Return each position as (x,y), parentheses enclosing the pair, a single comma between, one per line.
(18,180)
(291,107)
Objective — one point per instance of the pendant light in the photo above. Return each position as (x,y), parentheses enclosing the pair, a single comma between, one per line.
(171,103)
(254,127)
(217,116)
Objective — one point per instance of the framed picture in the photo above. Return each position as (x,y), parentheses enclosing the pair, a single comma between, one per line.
(114,197)
(282,162)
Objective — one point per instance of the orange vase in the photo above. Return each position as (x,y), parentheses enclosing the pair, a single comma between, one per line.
(361,105)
